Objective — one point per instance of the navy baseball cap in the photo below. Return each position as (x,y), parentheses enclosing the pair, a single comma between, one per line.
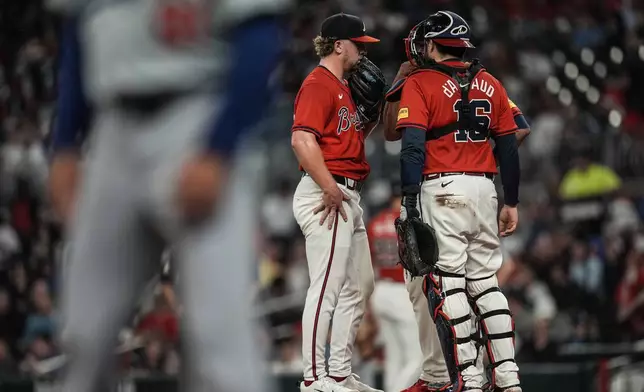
(345,26)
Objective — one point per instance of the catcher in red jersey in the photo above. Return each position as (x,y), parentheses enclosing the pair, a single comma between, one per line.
(390,301)
(433,375)
(332,118)
(448,111)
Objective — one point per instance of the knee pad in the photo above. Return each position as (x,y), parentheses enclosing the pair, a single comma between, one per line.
(496,330)
(450,310)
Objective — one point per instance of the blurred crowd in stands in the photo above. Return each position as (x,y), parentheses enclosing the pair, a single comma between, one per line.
(574,272)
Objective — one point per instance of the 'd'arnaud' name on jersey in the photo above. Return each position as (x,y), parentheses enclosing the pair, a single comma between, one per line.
(450,87)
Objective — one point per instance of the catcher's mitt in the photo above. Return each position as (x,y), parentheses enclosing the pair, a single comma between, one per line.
(417,246)
(368,86)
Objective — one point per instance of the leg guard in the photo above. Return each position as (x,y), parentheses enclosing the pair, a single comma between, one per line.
(450,310)
(496,330)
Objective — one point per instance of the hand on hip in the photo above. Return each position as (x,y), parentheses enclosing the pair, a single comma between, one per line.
(332,203)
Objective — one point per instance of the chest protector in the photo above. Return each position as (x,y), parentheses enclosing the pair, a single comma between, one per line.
(463,77)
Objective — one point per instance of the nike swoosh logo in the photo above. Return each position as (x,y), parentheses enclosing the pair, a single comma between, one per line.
(464,85)
(444,184)
(319,390)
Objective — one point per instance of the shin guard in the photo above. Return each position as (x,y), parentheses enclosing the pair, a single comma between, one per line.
(450,310)
(496,330)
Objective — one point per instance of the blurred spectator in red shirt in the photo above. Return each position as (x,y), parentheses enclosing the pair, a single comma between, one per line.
(160,320)
(630,292)
(24,214)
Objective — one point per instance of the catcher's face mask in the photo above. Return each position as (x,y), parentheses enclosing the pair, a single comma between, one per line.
(416,46)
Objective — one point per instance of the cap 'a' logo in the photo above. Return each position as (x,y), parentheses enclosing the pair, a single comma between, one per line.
(403,113)
(459,30)
(364,28)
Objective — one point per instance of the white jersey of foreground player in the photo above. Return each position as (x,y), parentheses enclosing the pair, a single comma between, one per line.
(115,39)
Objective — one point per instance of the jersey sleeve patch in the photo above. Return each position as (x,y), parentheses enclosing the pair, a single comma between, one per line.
(403,113)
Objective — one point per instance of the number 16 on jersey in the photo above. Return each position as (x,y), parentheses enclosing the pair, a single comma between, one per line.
(481,111)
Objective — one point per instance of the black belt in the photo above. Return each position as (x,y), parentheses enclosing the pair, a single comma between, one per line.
(351,184)
(146,103)
(434,176)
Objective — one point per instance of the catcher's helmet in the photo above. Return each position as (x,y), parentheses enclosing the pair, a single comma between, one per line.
(445,28)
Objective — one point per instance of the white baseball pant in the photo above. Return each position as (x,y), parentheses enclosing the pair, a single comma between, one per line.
(463,211)
(399,331)
(341,277)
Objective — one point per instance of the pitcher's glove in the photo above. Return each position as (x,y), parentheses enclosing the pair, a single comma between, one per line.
(417,246)
(368,87)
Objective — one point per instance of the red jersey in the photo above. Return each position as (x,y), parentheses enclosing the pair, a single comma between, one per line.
(431,99)
(383,243)
(324,107)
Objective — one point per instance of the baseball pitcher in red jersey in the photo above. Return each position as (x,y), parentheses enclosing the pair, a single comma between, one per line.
(448,110)
(328,140)
(390,301)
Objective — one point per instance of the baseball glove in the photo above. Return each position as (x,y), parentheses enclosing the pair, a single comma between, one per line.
(417,246)
(368,86)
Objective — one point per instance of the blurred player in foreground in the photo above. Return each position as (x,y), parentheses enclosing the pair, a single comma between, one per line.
(390,301)
(329,129)
(166,110)
(448,167)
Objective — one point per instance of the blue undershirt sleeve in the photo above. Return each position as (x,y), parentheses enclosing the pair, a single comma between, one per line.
(510,168)
(72,111)
(412,159)
(256,51)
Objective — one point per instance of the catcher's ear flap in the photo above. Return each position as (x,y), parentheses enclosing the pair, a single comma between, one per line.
(395,92)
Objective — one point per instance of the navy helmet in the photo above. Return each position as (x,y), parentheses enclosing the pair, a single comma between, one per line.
(445,28)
